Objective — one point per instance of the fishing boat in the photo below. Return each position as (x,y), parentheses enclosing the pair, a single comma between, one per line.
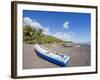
(53,57)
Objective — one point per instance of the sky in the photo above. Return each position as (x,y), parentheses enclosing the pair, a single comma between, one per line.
(68,26)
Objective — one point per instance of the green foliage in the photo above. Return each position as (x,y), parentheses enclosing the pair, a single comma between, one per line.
(33,36)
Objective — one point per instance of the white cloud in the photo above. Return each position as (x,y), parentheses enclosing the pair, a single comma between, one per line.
(36,25)
(66,36)
(32,23)
(66,25)
(46,29)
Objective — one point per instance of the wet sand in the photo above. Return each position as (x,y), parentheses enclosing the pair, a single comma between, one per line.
(79,56)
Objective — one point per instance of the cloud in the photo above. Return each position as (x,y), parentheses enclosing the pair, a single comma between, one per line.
(32,23)
(65,36)
(66,25)
(36,25)
(46,31)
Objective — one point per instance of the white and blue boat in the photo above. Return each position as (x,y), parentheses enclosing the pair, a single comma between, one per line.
(53,57)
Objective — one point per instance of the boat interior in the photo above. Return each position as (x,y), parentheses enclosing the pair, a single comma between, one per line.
(51,53)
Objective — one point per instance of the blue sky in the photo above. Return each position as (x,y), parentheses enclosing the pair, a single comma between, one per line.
(63,25)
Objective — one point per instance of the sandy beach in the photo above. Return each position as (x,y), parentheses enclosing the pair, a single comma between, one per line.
(79,56)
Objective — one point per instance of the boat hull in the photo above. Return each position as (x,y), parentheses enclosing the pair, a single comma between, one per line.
(52,60)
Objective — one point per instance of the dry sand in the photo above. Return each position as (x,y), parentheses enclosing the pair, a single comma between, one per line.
(79,56)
